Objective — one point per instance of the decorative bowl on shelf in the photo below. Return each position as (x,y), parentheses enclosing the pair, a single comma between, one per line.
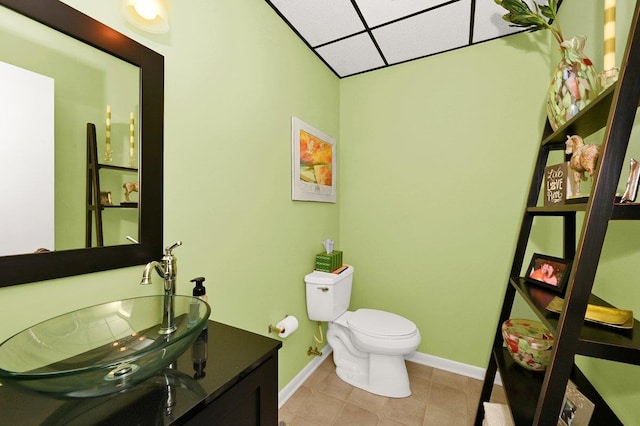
(101,349)
(528,342)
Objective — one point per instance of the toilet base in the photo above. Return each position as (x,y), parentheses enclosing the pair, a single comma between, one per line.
(389,376)
(384,375)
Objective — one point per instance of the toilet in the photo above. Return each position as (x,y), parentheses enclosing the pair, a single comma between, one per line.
(368,345)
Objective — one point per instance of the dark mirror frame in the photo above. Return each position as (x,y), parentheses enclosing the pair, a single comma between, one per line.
(25,268)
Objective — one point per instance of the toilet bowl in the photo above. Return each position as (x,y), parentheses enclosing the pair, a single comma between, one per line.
(368,345)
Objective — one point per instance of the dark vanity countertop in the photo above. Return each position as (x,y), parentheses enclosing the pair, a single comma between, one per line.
(232,353)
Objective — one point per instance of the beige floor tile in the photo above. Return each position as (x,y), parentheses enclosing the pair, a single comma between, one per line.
(409,411)
(367,400)
(418,370)
(449,379)
(497,395)
(297,399)
(285,416)
(335,386)
(299,421)
(320,408)
(317,378)
(389,422)
(354,415)
(436,416)
(419,388)
(474,388)
(448,398)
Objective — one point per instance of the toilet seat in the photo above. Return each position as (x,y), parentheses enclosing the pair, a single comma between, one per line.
(381,324)
(380,332)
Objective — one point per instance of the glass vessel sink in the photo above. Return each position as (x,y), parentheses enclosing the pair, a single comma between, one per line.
(100,349)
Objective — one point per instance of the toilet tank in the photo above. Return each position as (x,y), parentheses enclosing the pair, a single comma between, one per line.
(328,295)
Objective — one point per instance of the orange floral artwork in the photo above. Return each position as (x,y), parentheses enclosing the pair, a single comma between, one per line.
(315,159)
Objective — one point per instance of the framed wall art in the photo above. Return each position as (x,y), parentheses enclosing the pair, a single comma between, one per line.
(576,408)
(549,272)
(313,176)
(631,192)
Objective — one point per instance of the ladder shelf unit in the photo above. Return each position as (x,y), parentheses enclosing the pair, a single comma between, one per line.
(93,200)
(536,398)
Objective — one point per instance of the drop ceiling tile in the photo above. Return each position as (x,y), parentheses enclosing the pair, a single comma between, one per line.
(338,30)
(320,21)
(352,55)
(489,23)
(377,12)
(442,29)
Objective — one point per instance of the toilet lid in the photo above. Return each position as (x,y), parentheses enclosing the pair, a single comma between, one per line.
(380,323)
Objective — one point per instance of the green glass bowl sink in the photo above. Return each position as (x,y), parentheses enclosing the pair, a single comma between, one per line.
(100,349)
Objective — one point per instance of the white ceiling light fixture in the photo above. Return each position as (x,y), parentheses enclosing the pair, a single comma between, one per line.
(148,15)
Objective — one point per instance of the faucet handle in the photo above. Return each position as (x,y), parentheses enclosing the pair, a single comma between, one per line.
(168,250)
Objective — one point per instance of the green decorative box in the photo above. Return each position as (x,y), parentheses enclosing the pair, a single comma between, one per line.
(329,262)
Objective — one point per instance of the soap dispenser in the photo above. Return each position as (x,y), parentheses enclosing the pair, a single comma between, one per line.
(200,292)
(199,350)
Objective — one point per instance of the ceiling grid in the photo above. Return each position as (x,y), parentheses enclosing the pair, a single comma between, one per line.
(356,36)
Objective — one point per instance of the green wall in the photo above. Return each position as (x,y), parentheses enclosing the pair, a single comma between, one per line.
(435,170)
(234,76)
(435,157)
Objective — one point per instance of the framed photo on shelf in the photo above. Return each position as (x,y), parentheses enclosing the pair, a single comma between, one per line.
(313,166)
(576,408)
(631,192)
(549,272)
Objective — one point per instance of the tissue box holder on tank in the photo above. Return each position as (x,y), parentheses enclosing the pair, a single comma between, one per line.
(329,262)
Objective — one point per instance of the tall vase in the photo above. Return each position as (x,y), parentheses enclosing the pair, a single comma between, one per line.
(574,84)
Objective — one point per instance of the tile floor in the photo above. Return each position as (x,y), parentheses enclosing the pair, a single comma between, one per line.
(439,398)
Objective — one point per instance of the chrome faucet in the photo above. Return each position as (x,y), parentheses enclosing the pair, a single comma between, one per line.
(167,269)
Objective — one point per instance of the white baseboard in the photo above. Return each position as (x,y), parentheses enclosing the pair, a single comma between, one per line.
(450,366)
(417,357)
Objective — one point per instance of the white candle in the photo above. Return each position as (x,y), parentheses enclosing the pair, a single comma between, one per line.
(107,146)
(609,34)
(131,138)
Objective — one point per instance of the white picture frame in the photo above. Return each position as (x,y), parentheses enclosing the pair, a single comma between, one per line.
(576,408)
(313,168)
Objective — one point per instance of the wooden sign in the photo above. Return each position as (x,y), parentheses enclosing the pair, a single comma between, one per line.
(556,184)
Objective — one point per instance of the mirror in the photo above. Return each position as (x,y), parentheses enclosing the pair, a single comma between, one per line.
(140,73)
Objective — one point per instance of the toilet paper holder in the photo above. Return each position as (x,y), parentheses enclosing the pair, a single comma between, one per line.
(276,329)
(281,329)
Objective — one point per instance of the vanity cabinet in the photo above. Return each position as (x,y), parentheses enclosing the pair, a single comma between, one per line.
(248,402)
(229,377)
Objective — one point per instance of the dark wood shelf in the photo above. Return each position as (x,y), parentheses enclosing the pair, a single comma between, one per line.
(119,168)
(561,210)
(588,121)
(595,340)
(120,206)
(523,387)
(625,211)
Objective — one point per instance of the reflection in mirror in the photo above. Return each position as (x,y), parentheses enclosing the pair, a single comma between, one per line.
(84,83)
(78,71)
(27,98)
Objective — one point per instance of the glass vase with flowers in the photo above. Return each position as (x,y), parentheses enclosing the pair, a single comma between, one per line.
(575,82)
